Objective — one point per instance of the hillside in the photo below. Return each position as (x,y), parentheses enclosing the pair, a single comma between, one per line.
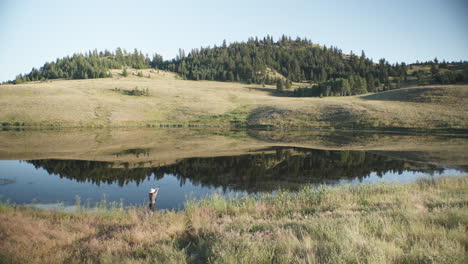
(298,60)
(159,98)
(252,61)
(322,71)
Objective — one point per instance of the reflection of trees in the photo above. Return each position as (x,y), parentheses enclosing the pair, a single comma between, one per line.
(284,168)
(287,168)
(93,171)
(136,152)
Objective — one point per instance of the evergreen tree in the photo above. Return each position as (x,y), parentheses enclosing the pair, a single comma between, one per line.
(92,64)
(279,85)
(230,76)
(287,84)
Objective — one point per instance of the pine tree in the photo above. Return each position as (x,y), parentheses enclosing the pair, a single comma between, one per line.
(345,88)
(323,75)
(182,70)
(230,76)
(279,85)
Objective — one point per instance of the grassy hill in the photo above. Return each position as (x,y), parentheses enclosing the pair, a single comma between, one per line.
(163,98)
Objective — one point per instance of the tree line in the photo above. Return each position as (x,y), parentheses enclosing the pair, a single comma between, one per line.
(90,65)
(284,168)
(444,73)
(440,73)
(328,69)
(297,60)
(335,87)
(251,61)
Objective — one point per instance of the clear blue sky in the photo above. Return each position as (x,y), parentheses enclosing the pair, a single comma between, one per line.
(33,32)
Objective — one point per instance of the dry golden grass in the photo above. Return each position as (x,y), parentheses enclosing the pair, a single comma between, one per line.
(98,102)
(423,222)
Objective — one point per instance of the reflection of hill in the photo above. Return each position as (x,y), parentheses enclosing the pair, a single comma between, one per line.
(281,167)
(448,158)
(166,146)
(367,140)
(335,139)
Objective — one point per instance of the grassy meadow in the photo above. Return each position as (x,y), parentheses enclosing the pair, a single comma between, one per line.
(422,222)
(155,98)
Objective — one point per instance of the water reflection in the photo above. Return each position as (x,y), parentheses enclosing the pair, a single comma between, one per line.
(190,163)
(264,170)
(135,152)
(95,172)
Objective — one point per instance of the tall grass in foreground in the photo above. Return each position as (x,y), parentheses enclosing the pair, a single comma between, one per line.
(423,222)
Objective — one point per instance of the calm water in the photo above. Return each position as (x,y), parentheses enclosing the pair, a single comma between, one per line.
(46,182)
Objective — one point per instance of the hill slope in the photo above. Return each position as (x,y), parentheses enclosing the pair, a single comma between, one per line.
(106,102)
(250,62)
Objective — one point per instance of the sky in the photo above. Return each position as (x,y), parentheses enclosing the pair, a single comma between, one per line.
(33,32)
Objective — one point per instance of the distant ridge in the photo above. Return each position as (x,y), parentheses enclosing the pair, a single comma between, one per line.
(260,61)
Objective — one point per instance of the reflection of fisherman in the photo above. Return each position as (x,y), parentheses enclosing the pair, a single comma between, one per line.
(152,198)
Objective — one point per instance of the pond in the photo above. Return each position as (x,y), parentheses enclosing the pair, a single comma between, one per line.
(51,169)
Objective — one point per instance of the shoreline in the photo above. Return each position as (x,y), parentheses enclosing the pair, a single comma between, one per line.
(421,221)
(406,131)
